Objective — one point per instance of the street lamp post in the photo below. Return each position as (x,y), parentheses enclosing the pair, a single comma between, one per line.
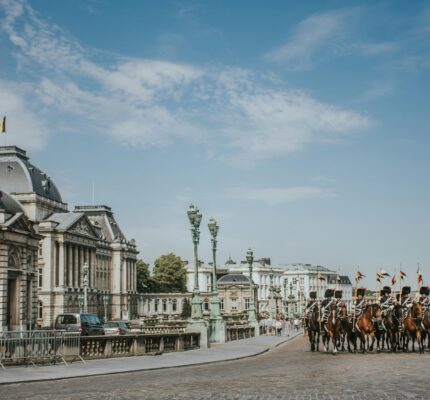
(217,329)
(291,297)
(105,304)
(85,281)
(195,218)
(272,306)
(251,310)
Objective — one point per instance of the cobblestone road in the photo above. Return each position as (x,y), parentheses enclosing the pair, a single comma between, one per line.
(288,372)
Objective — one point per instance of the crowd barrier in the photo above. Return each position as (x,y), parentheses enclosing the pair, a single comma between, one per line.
(39,346)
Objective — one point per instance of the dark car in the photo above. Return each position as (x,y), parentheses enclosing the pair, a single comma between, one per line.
(87,324)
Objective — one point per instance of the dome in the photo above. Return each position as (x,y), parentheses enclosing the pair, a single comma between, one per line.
(18,175)
(233,278)
(9,204)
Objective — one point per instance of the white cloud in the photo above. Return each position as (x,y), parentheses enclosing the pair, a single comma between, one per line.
(24,125)
(280,195)
(141,103)
(318,31)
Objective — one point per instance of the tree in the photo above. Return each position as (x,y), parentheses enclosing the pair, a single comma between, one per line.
(186,309)
(144,281)
(170,274)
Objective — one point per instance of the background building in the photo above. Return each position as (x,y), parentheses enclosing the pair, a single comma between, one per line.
(89,235)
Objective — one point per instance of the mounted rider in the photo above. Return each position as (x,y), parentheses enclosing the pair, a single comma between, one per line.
(424,297)
(406,300)
(311,304)
(326,303)
(360,302)
(386,301)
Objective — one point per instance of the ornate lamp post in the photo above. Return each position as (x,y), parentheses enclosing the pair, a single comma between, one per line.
(85,280)
(195,218)
(251,311)
(217,332)
(105,304)
(291,297)
(272,306)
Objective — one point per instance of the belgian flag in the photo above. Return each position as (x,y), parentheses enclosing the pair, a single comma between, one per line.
(3,125)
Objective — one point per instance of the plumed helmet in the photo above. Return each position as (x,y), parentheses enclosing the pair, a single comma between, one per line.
(406,290)
(424,290)
(313,295)
(338,294)
(387,289)
(382,292)
(329,293)
(361,292)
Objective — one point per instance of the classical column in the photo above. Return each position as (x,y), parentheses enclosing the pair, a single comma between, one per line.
(75,266)
(61,266)
(81,264)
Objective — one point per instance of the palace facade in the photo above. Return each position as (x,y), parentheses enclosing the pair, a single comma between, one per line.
(65,242)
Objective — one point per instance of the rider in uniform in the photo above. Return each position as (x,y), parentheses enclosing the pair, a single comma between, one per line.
(326,303)
(338,297)
(406,300)
(360,302)
(424,297)
(311,304)
(385,301)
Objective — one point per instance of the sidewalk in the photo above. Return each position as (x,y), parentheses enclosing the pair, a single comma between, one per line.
(222,352)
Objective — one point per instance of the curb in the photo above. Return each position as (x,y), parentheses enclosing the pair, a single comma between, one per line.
(266,350)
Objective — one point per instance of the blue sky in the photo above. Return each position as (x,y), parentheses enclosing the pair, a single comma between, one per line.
(302,128)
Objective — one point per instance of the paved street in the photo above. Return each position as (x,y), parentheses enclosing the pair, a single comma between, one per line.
(287,372)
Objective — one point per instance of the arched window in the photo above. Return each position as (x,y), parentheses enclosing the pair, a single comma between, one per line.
(164,305)
(174,305)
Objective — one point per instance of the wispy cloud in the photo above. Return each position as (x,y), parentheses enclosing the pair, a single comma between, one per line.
(312,35)
(324,35)
(280,195)
(237,114)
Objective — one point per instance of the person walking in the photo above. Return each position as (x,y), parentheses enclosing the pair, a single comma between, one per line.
(278,326)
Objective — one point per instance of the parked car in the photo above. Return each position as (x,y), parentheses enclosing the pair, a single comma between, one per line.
(115,328)
(87,324)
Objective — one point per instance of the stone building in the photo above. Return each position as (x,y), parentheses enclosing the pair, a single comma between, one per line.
(18,267)
(89,235)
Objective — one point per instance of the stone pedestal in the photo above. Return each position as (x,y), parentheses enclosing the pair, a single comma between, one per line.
(199,326)
(217,330)
(256,326)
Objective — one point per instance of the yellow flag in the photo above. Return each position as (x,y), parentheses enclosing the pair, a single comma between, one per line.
(3,125)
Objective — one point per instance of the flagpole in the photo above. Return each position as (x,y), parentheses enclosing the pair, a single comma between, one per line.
(354,301)
(400,284)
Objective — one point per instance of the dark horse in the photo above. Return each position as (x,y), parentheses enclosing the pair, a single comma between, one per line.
(313,328)
(425,328)
(392,326)
(332,329)
(347,329)
(412,327)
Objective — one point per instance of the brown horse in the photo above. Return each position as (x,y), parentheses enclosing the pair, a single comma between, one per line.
(425,328)
(332,329)
(365,325)
(412,327)
(313,328)
(347,329)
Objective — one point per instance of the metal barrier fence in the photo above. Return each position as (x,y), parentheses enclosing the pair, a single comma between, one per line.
(37,346)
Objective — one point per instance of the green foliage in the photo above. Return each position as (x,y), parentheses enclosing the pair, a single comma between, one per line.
(145,283)
(170,274)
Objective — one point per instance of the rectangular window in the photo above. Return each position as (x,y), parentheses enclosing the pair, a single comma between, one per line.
(156,305)
(247,303)
(174,306)
(164,305)
(221,304)
(40,278)
(233,304)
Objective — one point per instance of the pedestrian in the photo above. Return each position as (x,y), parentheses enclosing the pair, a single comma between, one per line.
(266,325)
(296,324)
(278,326)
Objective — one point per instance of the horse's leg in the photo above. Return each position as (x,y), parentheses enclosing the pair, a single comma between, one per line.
(372,340)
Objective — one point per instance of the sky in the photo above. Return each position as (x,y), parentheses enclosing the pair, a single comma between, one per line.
(301,127)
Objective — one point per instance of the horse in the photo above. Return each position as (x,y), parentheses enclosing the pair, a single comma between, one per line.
(392,325)
(412,327)
(365,325)
(332,329)
(313,328)
(425,328)
(347,329)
